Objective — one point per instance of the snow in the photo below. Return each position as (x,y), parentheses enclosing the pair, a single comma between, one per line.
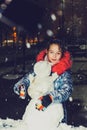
(42,120)
(11,76)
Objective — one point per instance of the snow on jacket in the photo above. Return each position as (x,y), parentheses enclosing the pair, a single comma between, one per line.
(64,64)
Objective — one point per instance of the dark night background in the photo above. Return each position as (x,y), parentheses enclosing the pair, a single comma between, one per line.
(25,13)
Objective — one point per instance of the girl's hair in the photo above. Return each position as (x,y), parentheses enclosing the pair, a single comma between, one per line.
(57,42)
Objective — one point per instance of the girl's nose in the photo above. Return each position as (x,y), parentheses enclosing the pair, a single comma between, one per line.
(54,55)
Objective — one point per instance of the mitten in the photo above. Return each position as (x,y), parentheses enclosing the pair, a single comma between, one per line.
(44,102)
(22,91)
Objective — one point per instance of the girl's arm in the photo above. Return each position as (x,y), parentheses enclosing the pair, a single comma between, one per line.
(62,88)
(25,82)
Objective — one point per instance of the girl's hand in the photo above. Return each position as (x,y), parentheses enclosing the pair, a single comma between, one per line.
(43,102)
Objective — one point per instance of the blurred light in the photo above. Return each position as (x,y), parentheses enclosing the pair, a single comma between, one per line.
(8,1)
(6,59)
(28,45)
(58,28)
(6,99)
(38,33)
(14,28)
(70,99)
(35,40)
(39,26)
(3,6)
(53,17)
(68,29)
(63,1)
(60,12)
(83,47)
(7,41)
(49,33)
(85,107)
(0,15)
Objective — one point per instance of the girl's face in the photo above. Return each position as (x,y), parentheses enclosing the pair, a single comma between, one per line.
(54,54)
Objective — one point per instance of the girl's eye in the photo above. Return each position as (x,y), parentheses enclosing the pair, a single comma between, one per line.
(51,52)
(58,53)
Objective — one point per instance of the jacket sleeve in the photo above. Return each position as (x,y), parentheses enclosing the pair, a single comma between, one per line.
(64,64)
(62,88)
(25,81)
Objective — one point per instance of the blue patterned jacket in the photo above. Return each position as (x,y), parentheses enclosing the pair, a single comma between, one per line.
(62,86)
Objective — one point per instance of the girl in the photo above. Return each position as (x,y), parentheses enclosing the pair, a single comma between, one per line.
(61,63)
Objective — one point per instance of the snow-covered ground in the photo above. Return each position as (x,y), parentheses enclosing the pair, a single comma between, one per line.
(34,119)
